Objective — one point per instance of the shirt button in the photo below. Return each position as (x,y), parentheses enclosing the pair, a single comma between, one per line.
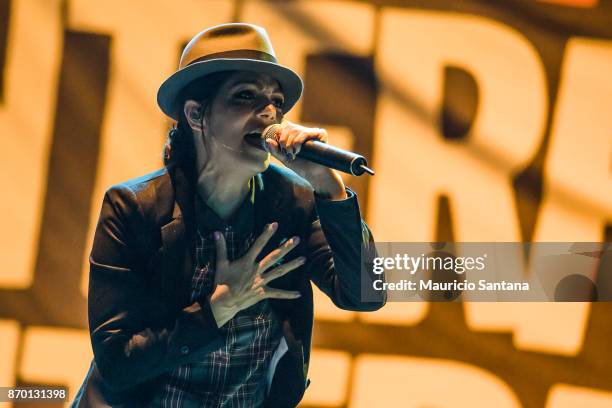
(184,350)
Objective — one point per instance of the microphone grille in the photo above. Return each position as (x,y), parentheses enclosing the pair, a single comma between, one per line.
(271,132)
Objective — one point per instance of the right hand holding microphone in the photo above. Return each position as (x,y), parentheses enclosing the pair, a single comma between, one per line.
(242,283)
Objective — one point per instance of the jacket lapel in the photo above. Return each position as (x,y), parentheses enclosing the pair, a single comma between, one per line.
(177,240)
(271,204)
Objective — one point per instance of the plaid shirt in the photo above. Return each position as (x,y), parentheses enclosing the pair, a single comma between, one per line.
(234,375)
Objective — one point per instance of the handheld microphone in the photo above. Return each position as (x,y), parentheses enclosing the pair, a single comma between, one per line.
(325,154)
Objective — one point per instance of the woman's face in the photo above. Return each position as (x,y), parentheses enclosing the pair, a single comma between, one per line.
(246,103)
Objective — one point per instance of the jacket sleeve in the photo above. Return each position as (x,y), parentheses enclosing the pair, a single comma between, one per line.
(130,345)
(340,252)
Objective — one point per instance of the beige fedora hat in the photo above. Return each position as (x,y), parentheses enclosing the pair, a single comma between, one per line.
(228,47)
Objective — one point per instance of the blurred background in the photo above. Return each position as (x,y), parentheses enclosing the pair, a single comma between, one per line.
(484,120)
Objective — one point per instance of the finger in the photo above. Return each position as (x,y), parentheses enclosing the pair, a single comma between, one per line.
(290,143)
(283,270)
(261,241)
(281,294)
(322,135)
(278,253)
(282,139)
(274,148)
(221,249)
(314,134)
(299,141)
(286,143)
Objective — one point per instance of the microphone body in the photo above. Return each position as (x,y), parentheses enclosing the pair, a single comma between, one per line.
(325,154)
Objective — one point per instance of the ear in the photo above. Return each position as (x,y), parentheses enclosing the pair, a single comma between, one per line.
(193,112)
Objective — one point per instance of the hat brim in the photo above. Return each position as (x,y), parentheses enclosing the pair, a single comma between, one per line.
(169,91)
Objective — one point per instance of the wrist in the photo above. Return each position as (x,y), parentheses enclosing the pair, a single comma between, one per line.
(221,310)
(328,186)
(329,195)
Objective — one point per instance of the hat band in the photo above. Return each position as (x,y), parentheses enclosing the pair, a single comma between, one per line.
(237,54)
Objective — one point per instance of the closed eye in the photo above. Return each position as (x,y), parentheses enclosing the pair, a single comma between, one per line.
(245,94)
(278,102)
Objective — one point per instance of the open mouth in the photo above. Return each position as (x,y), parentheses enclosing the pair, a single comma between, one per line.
(254,139)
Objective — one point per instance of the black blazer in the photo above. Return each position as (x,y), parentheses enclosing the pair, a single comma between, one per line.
(141,321)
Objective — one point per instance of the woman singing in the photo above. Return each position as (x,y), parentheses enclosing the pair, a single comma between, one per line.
(199,291)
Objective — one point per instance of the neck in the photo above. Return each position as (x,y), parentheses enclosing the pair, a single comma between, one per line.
(223,191)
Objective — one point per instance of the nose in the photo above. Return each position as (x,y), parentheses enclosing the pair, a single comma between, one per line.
(268,112)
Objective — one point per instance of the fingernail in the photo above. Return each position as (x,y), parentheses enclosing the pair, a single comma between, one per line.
(295,240)
(273,226)
(302,259)
(217,235)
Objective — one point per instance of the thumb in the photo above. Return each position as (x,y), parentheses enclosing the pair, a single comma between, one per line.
(222,261)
